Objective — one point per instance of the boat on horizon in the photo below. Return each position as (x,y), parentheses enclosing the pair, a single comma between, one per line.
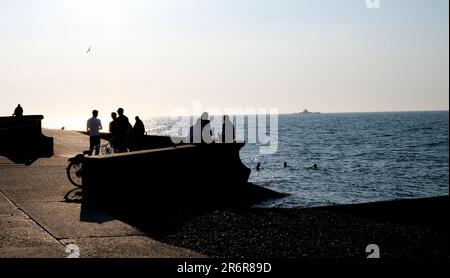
(306,111)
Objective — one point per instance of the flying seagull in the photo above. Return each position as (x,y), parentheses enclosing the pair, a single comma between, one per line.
(89,49)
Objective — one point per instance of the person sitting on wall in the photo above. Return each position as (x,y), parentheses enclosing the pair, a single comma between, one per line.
(138,128)
(207,136)
(195,132)
(201,131)
(228,131)
(18,112)
(137,134)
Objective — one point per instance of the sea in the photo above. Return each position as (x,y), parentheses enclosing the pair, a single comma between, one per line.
(360,157)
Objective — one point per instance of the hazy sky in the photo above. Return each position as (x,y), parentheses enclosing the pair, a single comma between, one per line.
(156,55)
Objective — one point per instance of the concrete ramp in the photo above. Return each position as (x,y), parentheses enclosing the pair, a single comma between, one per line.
(180,176)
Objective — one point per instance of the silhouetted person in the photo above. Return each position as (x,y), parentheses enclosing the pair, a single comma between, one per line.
(113,123)
(228,131)
(195,132)
(258,167)
(137,135)
(18,112)
(138,128)
(200,132)
(123,129)
(285,164)
(206,129)
(113,131)
(93,126)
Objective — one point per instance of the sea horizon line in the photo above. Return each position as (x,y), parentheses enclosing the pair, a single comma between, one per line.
(280,114)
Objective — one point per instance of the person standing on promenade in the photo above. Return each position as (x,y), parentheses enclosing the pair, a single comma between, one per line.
(18,112)
(113,131)
(123,129)
(94,125)
(113,123)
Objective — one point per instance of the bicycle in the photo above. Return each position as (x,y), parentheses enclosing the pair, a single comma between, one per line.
(74,168)
(74,171)
(107,149)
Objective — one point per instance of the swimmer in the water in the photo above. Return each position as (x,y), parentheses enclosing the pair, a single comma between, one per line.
(314,167)
(258,166)
(285,164)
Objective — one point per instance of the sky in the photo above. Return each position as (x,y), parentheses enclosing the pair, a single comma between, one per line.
(152,57)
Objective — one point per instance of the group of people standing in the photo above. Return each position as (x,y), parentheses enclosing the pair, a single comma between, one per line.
(123,136)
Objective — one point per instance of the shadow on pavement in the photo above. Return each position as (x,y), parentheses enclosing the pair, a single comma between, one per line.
(90,214)
(27,161)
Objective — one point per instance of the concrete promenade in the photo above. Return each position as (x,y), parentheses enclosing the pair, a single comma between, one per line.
(35,221)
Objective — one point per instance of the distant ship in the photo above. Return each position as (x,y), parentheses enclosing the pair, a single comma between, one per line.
(308,112)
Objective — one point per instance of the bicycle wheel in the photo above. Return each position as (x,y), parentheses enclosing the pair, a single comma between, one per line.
(74,172)
(106,149)
(74,196)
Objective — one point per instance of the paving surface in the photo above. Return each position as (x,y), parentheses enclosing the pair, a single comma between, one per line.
(35,220)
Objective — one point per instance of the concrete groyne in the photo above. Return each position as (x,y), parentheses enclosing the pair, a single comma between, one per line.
(190,176)
(22,137)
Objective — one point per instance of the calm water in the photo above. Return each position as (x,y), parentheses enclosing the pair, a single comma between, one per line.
(361,157)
